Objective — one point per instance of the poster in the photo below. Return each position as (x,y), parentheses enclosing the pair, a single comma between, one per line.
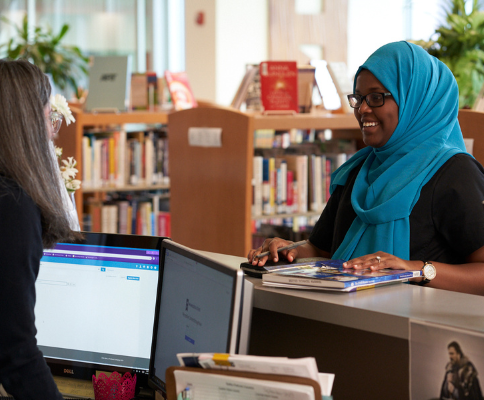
(445,362)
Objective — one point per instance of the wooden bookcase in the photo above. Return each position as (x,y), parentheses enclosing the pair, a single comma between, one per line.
(211,192)
(70,139)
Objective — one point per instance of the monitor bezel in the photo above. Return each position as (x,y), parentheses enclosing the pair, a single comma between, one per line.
(84,370)
(236,316)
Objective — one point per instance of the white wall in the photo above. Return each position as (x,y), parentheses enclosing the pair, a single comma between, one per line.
(200,48)
(234,34)
(242,38)
(373,23)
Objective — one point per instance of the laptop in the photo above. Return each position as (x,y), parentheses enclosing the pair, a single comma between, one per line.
(109,84)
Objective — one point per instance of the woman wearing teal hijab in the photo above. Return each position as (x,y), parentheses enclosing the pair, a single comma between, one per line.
(413,196)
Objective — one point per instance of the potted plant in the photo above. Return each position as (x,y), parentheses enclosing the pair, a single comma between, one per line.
(65,64)
(459,43)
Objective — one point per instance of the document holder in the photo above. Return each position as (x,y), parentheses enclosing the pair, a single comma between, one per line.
(171,379)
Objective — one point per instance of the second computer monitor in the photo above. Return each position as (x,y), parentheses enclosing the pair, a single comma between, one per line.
(203,306)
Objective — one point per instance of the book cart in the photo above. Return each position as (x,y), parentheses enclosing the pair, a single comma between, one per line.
(211,187)
(70,140)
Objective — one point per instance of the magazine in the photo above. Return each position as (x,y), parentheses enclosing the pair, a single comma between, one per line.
(331,274)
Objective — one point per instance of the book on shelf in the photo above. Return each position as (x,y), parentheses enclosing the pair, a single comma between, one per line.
(306,81)
(241,94)
(257,185)
(342,82)
(181,92)
(141,214)
(249,90)
(299,164)
(331,274)
(109,218)
(279,86)
(293,183)
(118,159)
(144,90)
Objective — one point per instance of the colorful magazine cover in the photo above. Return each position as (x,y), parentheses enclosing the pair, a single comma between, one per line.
(330,273)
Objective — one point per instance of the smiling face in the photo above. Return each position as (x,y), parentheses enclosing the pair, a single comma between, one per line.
(378,123)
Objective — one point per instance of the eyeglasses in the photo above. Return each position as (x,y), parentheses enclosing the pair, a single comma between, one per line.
(56,121)
(372,99)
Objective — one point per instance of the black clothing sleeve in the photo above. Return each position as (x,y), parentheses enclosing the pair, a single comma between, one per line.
(23,371)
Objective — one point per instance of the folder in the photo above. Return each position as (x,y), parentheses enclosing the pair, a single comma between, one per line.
(241,383)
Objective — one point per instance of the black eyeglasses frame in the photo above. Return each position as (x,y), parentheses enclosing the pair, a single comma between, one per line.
(367,102)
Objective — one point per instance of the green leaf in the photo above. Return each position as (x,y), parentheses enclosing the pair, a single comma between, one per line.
(65,63)
(459,43)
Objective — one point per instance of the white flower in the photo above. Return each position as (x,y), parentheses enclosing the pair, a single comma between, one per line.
(58,152)
(58,103)
(73,185)
(68,172)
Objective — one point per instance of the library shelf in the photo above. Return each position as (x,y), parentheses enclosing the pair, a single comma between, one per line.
(129,188)
(211,187)
(70,140)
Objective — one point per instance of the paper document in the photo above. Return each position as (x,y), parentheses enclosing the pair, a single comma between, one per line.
(214,387)
(305,367)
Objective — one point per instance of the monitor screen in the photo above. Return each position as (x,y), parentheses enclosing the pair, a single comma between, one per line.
(95,305)
(203,306)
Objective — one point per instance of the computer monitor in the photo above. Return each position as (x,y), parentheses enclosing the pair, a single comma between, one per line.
(202,306)
(95,305)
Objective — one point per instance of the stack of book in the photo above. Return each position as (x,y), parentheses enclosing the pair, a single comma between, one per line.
(328,275)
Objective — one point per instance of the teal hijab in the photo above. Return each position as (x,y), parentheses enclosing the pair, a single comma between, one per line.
(391,177)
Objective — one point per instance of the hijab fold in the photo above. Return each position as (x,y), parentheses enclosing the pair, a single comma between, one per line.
(392,176)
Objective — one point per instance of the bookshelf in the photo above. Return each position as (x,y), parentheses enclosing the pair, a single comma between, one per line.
(211,187)
(70,139)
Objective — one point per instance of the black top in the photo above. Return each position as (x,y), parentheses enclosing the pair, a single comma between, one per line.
(23,371)
(446,223)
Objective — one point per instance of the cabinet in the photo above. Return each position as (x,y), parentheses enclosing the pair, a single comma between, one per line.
(70,139)
(211,187)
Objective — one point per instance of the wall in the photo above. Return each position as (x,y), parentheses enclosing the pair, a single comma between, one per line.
(234,33)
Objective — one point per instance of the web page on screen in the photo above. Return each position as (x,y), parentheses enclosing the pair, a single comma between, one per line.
(96,304)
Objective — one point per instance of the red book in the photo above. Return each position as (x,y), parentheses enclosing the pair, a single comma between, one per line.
(278,81)
(290,191)
(180,90)
(164,224)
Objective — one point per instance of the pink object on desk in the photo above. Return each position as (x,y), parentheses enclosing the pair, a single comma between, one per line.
(114,387)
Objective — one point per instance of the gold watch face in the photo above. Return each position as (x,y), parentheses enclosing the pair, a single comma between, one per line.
(429,271)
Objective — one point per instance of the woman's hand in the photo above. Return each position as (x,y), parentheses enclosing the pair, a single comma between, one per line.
(380,260)
(271,245)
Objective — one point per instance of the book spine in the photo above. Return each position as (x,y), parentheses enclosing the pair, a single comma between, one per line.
(290,191)
(86,162)
(266,188)
(164,224)
(257,167)
(272,185)
(111,162)
(121,158)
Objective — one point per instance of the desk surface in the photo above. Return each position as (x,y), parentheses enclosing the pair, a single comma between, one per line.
(385,310)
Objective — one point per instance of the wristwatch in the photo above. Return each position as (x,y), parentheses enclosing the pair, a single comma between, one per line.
(429,272)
